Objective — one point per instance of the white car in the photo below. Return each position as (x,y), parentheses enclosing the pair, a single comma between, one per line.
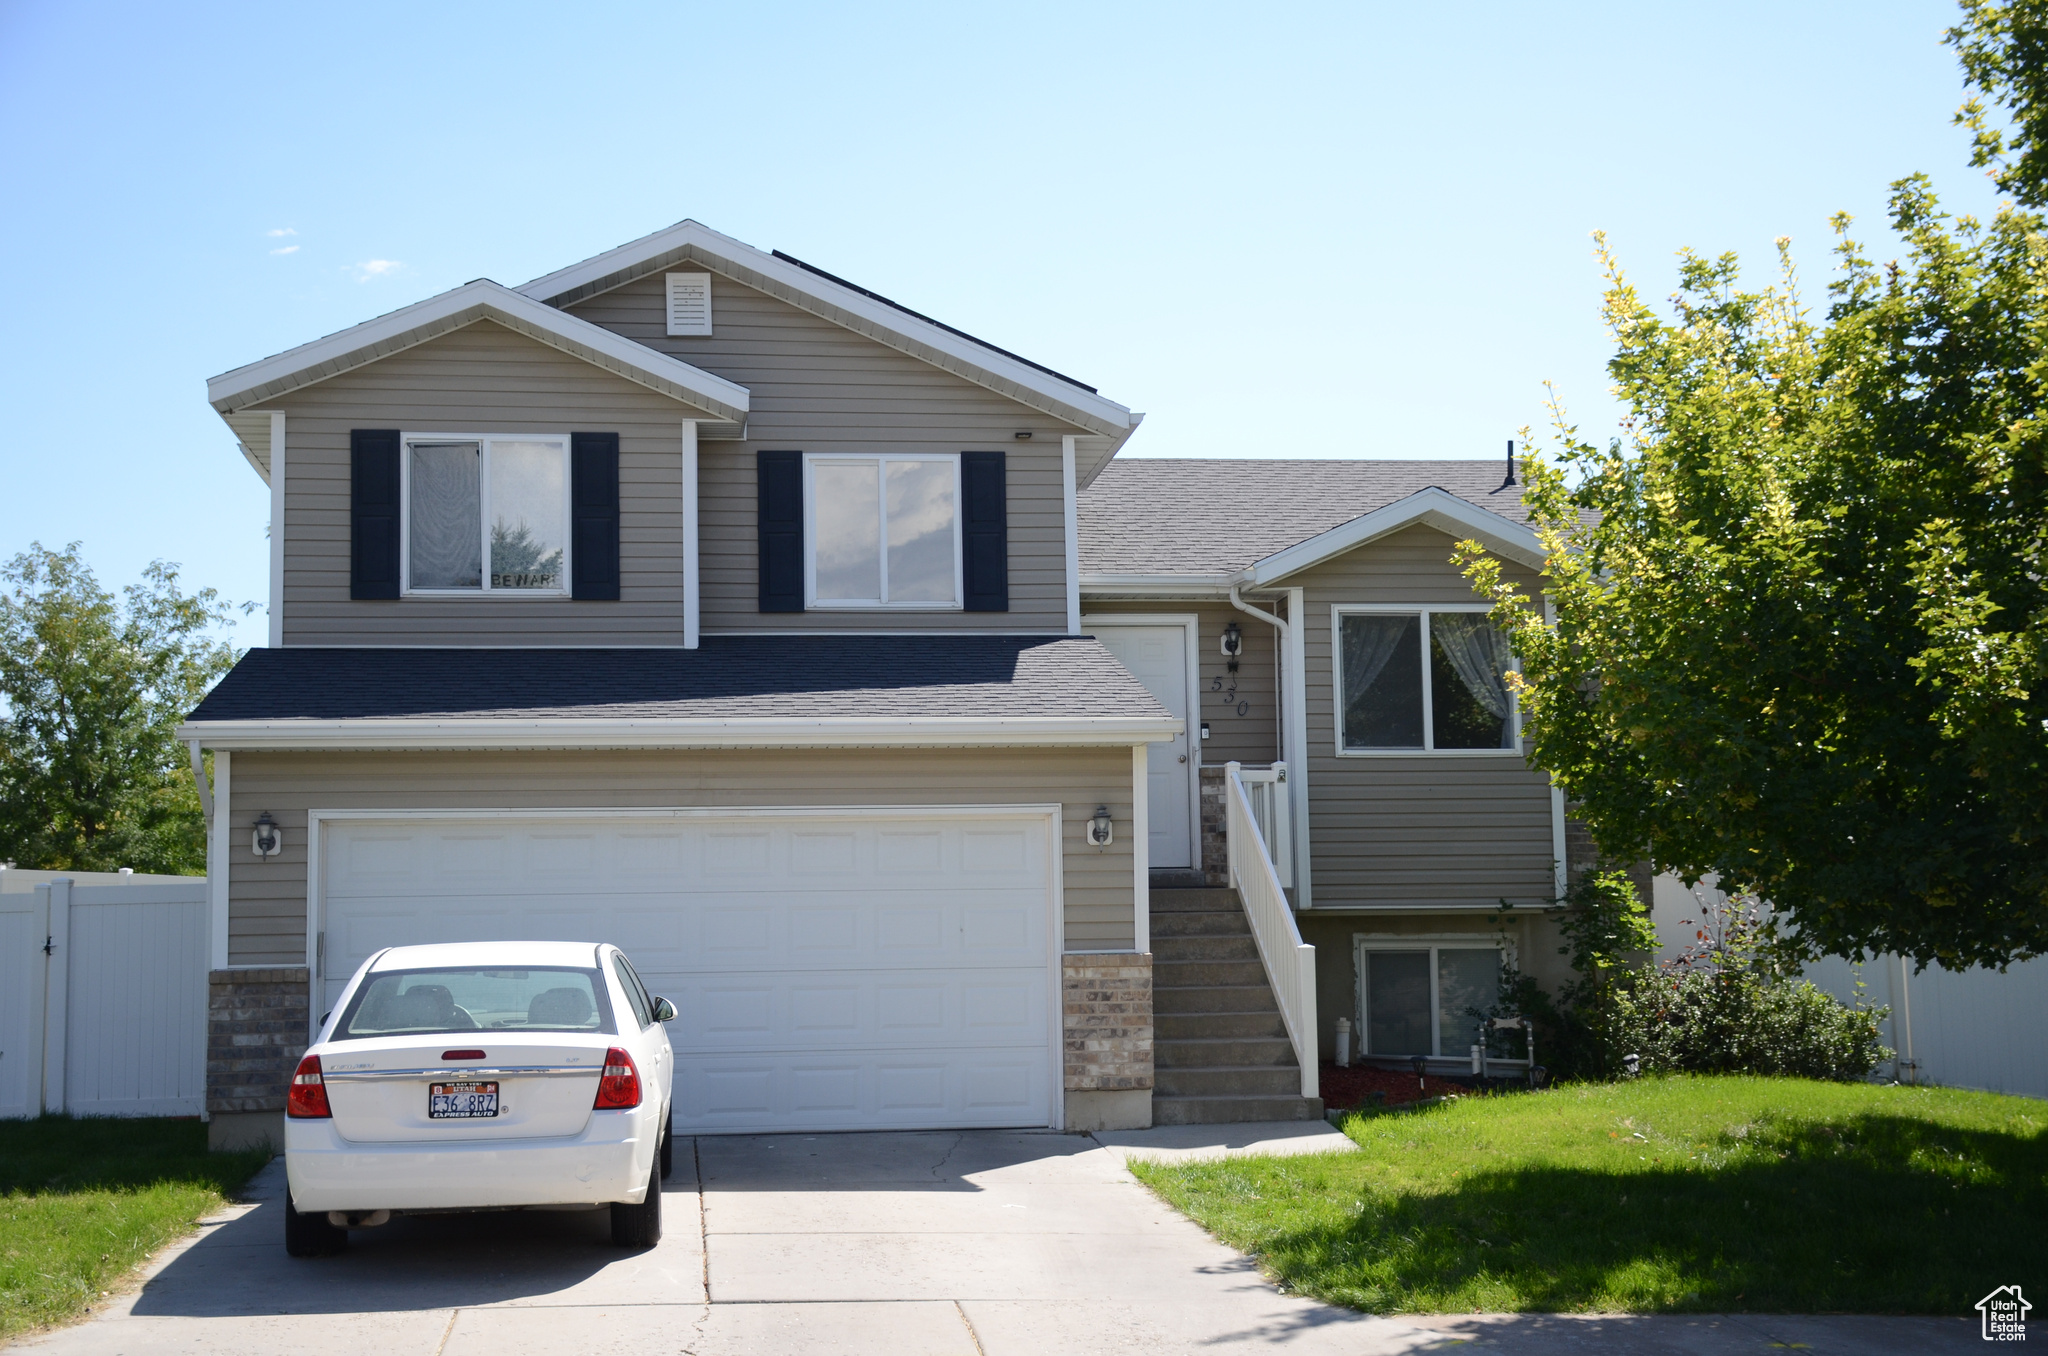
(482,1076)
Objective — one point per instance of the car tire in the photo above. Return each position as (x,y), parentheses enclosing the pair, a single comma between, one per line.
(310,1235)
(639,1226)
(668,1145)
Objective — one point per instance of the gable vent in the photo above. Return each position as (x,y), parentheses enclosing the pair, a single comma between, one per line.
(689,303)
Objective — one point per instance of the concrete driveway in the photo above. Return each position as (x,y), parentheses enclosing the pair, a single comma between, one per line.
(981,1243)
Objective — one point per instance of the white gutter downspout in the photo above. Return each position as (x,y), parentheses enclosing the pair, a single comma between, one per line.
(1294,725)
(205,790)
(693,565)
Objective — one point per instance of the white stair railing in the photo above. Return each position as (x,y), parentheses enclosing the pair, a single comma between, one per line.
(1290,962)
(1266,789)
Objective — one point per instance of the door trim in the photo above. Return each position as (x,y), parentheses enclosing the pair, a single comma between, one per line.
(1191,636)
(1056,891)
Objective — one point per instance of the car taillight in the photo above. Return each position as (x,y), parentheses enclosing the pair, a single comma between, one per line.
(619,1088)
(307,1099)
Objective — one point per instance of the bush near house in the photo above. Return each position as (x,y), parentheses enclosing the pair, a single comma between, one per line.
(1728,1003)
(1700,1194)
(82,1200)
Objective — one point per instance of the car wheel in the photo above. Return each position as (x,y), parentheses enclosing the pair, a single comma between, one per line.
(639,1226)
(668,1145)
(310,1235)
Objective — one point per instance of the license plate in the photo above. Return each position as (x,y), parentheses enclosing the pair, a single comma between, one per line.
(461,1101)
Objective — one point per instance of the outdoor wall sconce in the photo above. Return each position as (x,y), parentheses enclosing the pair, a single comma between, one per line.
(1101,833)
(268,838)
(1233,645)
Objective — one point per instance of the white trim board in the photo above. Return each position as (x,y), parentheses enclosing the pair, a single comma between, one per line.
(724,401)
(1053,814)
(843,732)
(694,242)
(1432,507)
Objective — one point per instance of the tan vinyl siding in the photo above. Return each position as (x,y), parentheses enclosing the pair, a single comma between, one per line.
(1250,737)
(267,897)
(1428,830)
(817,387)
(482,378)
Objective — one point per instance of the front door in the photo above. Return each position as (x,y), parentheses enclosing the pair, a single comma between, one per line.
(1157,656)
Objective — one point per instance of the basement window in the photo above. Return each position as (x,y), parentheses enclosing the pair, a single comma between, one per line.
(486,515)
(1424,998)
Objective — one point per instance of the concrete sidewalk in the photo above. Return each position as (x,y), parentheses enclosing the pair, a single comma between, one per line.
(982,1243)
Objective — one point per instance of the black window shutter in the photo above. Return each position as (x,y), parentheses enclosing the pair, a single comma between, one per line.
(985,531)
(594,516)
(373,513)
(780,529)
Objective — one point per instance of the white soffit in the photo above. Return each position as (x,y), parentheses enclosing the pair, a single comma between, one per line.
(1432,507)
(722,402)
(935,732)
(693,242)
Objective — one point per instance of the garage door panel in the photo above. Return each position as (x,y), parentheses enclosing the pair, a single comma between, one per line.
(829,971)
(906,1090)
(849,1009)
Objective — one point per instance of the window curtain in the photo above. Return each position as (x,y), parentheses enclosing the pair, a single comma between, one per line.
(1369,642)
(1479,654)
(447,516)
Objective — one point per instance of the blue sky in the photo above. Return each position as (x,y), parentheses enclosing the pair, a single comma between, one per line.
(1295,230)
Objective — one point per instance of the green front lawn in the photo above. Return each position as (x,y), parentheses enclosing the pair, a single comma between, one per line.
(82,1201)
(1703,1194)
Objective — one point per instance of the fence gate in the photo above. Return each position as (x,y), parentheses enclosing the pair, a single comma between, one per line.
(103,1000)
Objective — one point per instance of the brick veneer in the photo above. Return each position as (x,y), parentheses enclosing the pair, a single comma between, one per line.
(1107,1001)
(1215,831)
(255,1033)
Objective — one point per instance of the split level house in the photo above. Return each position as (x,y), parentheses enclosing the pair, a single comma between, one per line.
(941,767)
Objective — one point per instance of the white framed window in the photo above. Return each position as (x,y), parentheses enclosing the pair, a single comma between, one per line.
(1425,996)
(882,531)
(1423,679)
(485,514)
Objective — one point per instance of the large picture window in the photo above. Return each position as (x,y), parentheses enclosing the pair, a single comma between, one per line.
(487,515)
(882,531)
(1422,680)
(1424,998)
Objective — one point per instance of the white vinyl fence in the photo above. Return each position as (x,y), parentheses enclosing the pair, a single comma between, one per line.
(103,999)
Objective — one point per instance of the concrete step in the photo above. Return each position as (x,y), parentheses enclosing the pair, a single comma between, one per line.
(1194,901)
(1231,1110)
(1258,1081)
(1213,998)
(1198,1026)
(1207,973)
(1222,1052)
(1213,923)
(1174,950)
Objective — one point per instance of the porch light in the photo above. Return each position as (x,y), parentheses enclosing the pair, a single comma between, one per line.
(1101,833)
(268,838)
(1233,645)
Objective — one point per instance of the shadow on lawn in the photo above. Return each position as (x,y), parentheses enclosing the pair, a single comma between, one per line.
(57,1154)
(1873,1214)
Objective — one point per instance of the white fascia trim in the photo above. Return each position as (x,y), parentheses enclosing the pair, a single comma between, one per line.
(966,358)
(845,732)
(1432,507)
(1153,586)
(473,301)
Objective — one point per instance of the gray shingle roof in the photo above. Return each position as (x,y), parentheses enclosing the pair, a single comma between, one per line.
(798,677)
(1212,517)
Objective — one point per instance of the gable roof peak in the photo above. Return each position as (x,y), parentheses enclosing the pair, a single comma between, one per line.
(1103,425)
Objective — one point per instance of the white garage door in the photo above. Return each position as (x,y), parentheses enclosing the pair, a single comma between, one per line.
(830,972)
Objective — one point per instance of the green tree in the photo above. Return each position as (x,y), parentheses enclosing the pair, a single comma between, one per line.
(92,777)
(1799,608)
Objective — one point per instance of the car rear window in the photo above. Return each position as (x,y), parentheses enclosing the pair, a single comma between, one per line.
(432,1002)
